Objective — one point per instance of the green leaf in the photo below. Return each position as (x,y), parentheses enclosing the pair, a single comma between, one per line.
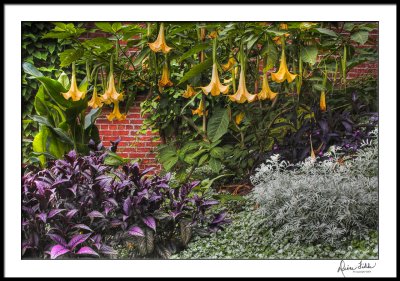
(63,136)
(194,50)
(203,159)
(218,124)
(39,144)
(57,35)
(41,120)
(64,80)
(114,159)
(309,54)
(168,157)
(326,31)
(348,26)
(360,37)
(217,152)
(99,44)
(168,164)
(69,56)
(91,117)
(31,69)
(55,90)
(139,58)
(196,70)
(104,26)
(39,102)
(116,26)
(215,165)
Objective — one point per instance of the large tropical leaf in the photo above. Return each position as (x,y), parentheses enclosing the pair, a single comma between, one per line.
(196,70)
(218,124)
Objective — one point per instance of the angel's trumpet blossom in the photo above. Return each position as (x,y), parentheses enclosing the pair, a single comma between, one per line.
(283,72)
(111,94)
(189,92)
(73,91)
(215,87)
(322,102)
(266,92)
(116,114)
(95,102)
(164,81)
(239,118)
(160,45)
(199,110)
(231,62)
(242,95)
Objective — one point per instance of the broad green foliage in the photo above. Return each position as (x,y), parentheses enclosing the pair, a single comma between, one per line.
(43,54)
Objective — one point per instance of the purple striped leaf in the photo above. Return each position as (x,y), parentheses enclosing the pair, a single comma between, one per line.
(107,250)
(150,222)
(57,251)
(95,214)
(136,231)
(127,206)
(82,226)
(71,213)
(58,239)
(210,203)
(42,216)
(54,212)
(78,239)
(87,251)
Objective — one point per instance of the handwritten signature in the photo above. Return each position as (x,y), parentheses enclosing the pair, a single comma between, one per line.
(359,266)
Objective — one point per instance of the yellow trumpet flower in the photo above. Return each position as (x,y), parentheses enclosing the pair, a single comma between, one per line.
(322,102)
(283,26)
(74,92)
(116,114)
(199,110)
(111,94)
(231,62)
(95,102)
(266,92)
(189,92)
(165,82)
(160,44)
(283,72)
(242,94)
(213,35)
(215,87)
(239,118)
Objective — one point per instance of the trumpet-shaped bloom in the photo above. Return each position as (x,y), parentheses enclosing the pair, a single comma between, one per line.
(111,94)
(165,82)
(231,62)
(74,92)
(160,44)
(242,94)
(116,114)
(266,92)
(239,118)
(199,110)
(283,72)
(322,102)
(215,87)
(95,102)
(189,92)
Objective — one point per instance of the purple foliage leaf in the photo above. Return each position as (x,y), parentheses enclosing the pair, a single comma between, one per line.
(78,239)
(54,212)
(82,226)
(95,214)
(42,216)
(57,251)
(127,206)
(71,213)
(87,251)
(58,239)
(107,250)
(136,231)
(150,222)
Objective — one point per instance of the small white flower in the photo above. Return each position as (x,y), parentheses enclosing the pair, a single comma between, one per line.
(275,157)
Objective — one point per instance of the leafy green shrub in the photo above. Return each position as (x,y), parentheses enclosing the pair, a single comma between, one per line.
(332,201)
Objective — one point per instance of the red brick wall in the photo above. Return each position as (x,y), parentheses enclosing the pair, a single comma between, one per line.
(134,145)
